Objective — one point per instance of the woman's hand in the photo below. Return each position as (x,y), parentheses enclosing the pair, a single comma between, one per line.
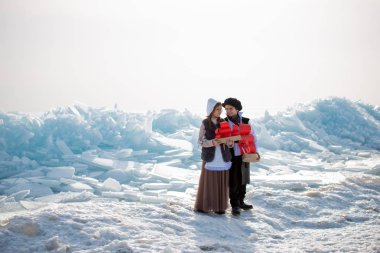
(215,143)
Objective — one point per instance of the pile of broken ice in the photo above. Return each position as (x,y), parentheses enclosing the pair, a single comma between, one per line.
(77,153)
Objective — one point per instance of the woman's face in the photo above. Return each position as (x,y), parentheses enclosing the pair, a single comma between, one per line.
(231,111)
(217,112)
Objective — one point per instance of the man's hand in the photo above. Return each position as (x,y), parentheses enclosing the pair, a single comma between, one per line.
(258,156)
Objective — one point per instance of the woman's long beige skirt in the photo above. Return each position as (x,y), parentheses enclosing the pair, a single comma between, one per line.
(212,190)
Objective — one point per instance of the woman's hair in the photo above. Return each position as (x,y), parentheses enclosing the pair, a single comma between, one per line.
(210,115)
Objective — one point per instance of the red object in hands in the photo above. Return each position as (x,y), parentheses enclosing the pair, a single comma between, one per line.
(247,142)
(223,131)
(245,129)
(235,130)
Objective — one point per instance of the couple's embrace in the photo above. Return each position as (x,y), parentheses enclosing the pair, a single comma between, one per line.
(224,174)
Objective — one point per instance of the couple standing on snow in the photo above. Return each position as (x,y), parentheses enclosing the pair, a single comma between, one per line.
(224,174)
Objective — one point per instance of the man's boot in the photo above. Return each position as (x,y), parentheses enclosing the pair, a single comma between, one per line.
(236,210)
(245,206)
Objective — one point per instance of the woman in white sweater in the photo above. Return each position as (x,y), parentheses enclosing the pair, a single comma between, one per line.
(213,191)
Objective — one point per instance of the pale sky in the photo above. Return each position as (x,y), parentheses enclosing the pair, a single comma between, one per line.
(151,55)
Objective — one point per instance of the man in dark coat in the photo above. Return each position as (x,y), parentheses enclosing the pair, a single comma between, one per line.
(239,172)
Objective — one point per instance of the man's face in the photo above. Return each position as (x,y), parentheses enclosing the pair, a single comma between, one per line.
(231,111)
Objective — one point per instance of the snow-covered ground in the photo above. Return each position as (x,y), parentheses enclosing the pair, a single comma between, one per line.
(81,179)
